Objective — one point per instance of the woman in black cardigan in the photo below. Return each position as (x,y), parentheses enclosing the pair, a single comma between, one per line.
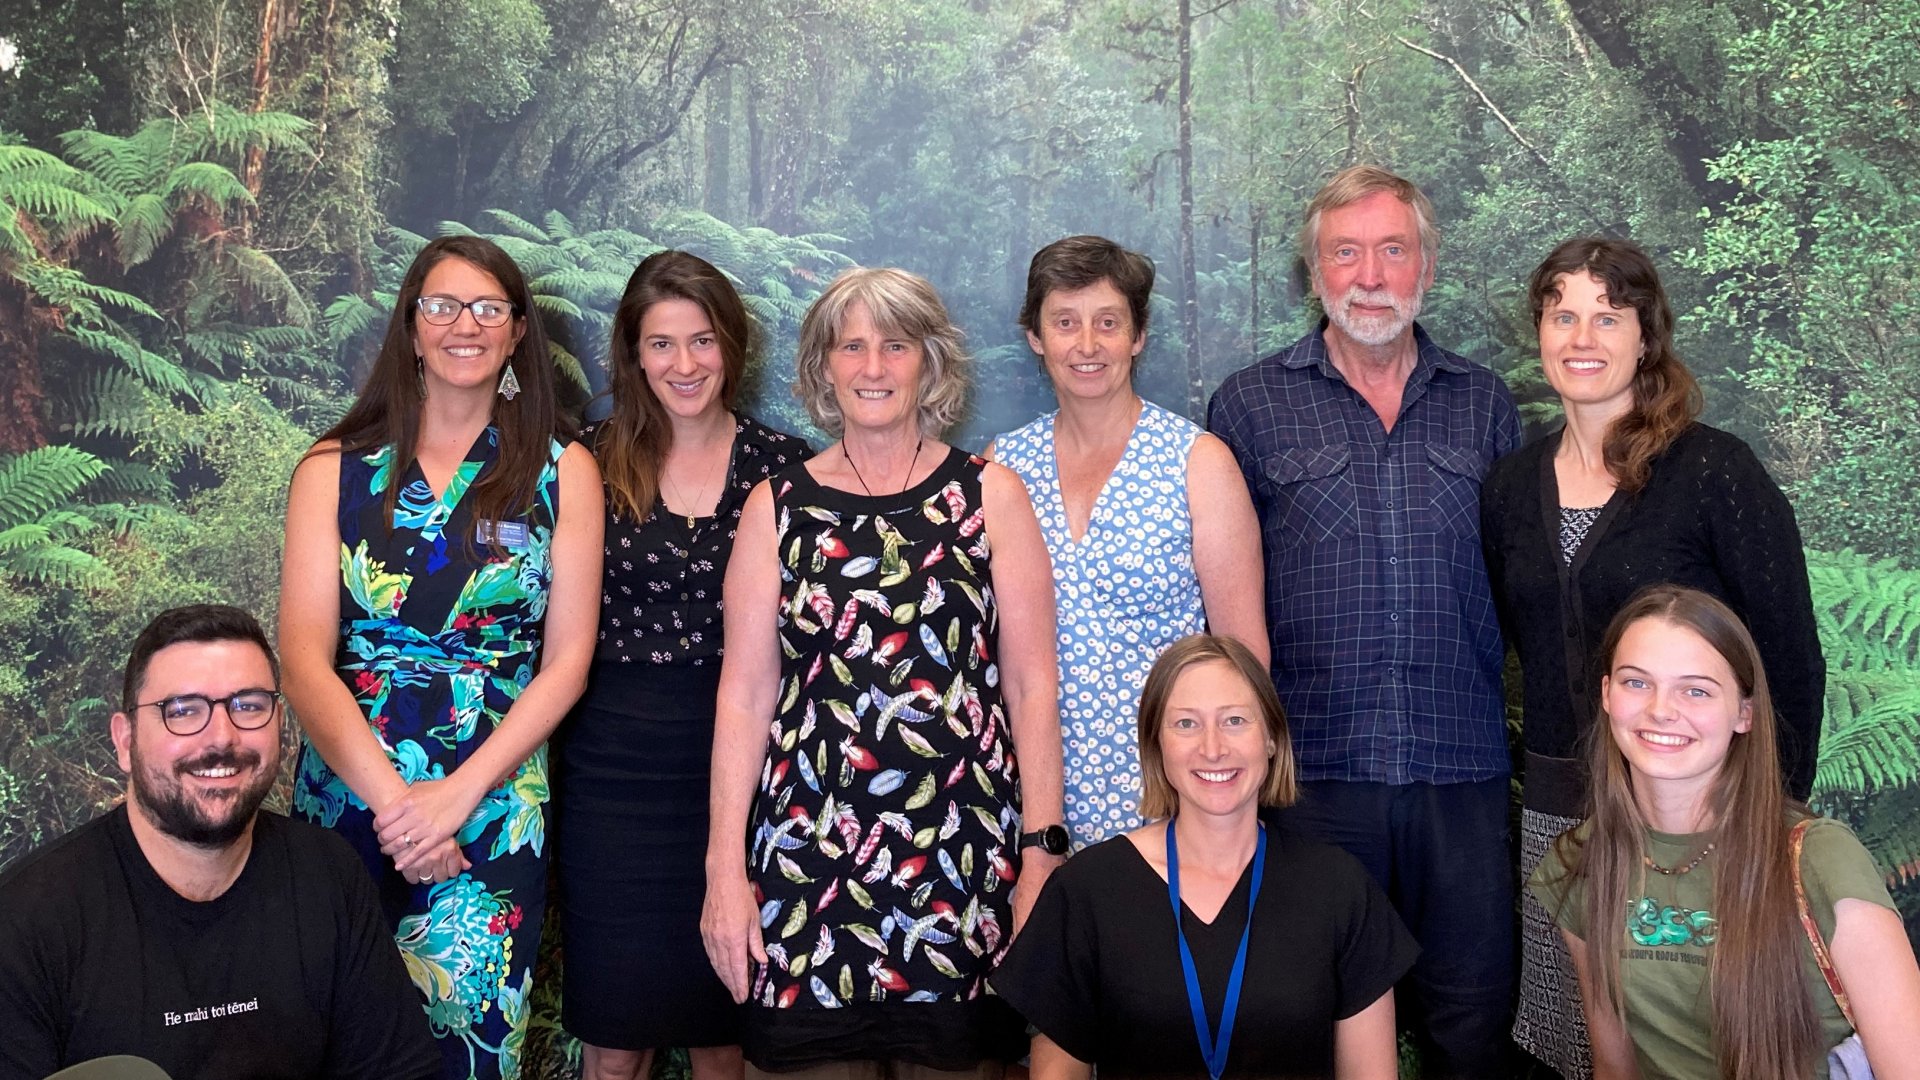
(1630,492)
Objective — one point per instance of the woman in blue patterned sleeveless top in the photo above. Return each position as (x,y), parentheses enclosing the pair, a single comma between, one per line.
(1147,520)
(438,604)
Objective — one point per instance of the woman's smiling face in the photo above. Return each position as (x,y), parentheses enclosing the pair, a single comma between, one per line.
(463,354)
(1672,703)
(1213,742)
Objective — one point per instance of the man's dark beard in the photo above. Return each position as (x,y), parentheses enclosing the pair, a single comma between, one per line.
(170,810)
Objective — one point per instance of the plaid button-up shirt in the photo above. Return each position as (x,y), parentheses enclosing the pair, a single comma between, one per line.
(1386,650)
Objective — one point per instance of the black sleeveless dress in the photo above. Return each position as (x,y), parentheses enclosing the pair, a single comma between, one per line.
(633,762)
(884,833)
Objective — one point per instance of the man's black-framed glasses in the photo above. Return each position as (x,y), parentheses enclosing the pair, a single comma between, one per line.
(188,714)
(445,310)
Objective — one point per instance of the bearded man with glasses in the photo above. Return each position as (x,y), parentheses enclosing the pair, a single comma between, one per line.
(187,927)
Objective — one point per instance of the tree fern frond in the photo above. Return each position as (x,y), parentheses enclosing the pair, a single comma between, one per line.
(33,483)
(55,565)
(127,479)
(585,286)
(556,305)
(25,535)
(67,288)
(453,228)
(109,401)
(558,226)
(62,210)
(124,165)
(516,225)
(212,184)
(157,370)
(260,273)
(348,317)
(1867,599)
(144,225)
(232,131)
(568,365)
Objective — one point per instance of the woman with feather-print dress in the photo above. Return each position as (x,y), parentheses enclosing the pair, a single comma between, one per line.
(889,647)
(883,833)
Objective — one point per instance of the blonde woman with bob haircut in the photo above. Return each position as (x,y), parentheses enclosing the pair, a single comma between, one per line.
(1207,942)
(1711,974)
(889,657)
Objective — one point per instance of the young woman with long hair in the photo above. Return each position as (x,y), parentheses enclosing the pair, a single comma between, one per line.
(1630,491)
(679,460)
(1677,897)
(437,609)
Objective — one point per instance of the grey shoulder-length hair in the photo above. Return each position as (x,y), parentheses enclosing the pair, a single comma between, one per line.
(901,305)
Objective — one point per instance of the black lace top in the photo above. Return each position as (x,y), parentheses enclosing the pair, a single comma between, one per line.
(660,600)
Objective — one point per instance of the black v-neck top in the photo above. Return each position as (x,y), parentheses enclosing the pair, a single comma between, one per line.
(1709,518)
(1097,966)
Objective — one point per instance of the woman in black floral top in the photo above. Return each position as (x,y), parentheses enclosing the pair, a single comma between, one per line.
(632,778)
(890,653)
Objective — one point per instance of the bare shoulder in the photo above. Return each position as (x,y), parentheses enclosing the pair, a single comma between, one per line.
(577,464)
(999,482)
(316,474)
(1210,454)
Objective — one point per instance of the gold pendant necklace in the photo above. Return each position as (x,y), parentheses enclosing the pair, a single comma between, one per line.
(666,478)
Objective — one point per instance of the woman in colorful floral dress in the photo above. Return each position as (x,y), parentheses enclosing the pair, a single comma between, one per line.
(438,603)
(889,648)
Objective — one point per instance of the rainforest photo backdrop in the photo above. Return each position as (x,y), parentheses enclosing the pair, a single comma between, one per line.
(206,207)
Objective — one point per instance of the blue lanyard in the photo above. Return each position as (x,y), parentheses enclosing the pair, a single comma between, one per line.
(1213,1050)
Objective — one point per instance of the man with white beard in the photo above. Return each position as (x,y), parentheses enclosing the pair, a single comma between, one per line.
(1364,445)
(184,926)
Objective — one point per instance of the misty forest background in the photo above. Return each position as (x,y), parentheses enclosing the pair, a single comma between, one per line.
(206,206)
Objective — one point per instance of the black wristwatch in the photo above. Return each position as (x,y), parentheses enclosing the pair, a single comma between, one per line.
(1052,839)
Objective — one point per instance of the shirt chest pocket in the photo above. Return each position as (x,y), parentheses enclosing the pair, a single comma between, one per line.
(1309,493)
(1452,475)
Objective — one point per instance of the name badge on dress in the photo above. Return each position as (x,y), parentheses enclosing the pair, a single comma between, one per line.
(510,534)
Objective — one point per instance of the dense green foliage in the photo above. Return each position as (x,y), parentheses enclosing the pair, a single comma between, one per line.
(205,209)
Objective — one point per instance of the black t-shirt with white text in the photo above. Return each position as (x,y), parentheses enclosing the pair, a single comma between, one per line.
(290,973)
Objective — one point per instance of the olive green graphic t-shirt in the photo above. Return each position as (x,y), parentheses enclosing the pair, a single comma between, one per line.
(1669,931)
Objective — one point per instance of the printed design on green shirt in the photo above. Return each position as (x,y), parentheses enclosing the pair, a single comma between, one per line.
(1652,923)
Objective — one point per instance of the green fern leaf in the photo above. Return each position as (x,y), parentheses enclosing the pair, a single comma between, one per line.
(34,483)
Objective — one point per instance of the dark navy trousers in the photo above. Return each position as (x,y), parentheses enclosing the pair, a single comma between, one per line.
(1444,856)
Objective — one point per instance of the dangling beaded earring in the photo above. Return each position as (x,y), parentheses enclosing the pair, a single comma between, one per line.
(509,386)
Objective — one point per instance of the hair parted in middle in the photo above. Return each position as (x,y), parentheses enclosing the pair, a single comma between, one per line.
(633,442)
(1666,397)
(1350,185)
(1157,796)
(902,305)
(1079,262)
(1764,1023)
(387,411)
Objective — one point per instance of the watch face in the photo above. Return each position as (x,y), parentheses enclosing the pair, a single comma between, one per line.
(1052,839)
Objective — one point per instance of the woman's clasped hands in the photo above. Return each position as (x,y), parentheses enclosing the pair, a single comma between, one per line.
(419,830)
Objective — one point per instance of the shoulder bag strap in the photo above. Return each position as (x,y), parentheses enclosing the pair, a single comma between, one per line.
(1820,955)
